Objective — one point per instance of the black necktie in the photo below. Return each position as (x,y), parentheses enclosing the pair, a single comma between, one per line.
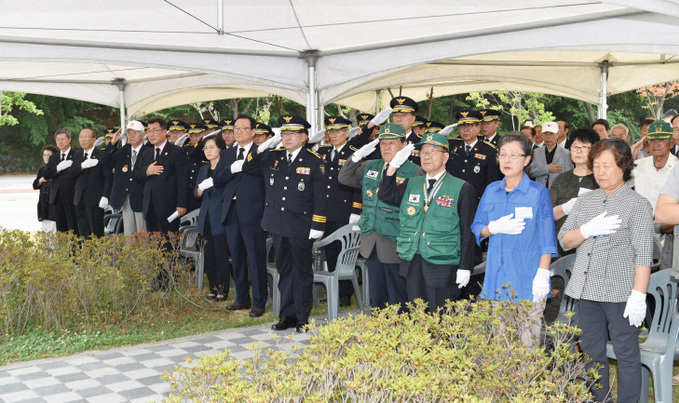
(289,158)
(63,156)
(85,155)
(333,154)
(431,184)
(157,153)
(240,153)
(467,149)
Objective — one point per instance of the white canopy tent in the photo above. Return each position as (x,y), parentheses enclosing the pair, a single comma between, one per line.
(149,54)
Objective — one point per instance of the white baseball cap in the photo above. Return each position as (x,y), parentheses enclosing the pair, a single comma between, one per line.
(135,125)
(551,127)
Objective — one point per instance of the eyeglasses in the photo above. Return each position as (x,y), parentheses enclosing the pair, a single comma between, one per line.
(430,153)
(581,149)
(46,155)
(206,148)
(241,129)
(154,130)
(512,157)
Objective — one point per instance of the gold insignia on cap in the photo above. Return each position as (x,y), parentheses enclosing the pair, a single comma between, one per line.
(429,137)
(332,120)
(287,119)
(228,122)
(257,126)
(364,117)
(206,121)
(193,126)
(483,113)
(175,122)
(464,114)
(428,124)
(658,129)
(400,100)
(387,130)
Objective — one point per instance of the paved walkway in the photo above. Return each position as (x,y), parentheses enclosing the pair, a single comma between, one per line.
(128,374)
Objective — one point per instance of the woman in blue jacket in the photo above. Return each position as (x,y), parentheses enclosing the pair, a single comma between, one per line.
(516,215)
(209,222)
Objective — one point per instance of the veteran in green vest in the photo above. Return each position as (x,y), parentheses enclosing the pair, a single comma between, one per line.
(435,242)
(379,221)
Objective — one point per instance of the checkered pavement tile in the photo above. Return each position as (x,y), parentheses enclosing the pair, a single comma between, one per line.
(127,374)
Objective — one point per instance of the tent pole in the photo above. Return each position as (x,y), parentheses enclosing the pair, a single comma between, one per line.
(220,17)
(312,109)
(603,101)
(121,87)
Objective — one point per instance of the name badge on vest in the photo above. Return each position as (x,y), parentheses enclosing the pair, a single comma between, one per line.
(523,212)
(372,174)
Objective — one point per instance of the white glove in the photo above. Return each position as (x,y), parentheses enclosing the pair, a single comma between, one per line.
(568,206)
(206,184)
(315,234)
(364,151)
(99,141)
(507,225)
(600,225)
(402,156)
(354,131)
(270,143)
(316,137)
(103,202)
(463,277)
(181,140)
(635,310)
(448,129)
(541,285)
(65,164)
(237,166)
(89,163)
(381,117)
(353,219)
(214,133)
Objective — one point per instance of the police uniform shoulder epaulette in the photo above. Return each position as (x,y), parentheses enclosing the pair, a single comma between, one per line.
(486,142)
(279,149)
(315,153)
(325,145)
(352,148)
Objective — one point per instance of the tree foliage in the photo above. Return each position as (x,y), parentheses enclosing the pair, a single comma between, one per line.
(12,101)
(656,95)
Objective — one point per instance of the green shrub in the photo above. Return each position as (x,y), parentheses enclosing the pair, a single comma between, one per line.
(462,353)
(57,281)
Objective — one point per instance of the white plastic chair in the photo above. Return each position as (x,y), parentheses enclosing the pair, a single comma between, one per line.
(189,249)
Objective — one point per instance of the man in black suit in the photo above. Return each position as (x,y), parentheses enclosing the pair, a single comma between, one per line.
(243,209)
(126,193)
(163,172)
(92,185)
(63,184)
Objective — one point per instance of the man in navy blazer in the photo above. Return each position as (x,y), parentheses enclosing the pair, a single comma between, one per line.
(244,196)
(126,193)
(63,184)
(162,170)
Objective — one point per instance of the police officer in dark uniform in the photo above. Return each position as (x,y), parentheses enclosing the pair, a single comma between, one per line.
(195,159)
(262,133)
(471,159)
(343,202)
(227,132)
(108,134)
(432,127)
(295,214)
(176,129)
(403,111)
(420,126)
(490,120)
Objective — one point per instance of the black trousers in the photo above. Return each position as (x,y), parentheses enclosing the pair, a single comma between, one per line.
(155,223)
(598,321)
(65,217)
(216,260)
(90,220)
(247,243)
(432,283)
(294,265)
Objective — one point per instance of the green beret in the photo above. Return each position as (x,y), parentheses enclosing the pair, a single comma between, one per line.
(435,139)
(391,131)
(660,130)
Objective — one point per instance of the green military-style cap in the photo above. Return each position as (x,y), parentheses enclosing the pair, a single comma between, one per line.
(392,131)
(435,139)
(660,130)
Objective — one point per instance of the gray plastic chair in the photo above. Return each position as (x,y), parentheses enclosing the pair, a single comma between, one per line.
(365,279)
(344,270)
(275,277)
(563,268)
(659,350)
(190,218)
(188,248)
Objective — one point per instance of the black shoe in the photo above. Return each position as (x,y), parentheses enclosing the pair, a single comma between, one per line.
(210,297)
(256,312)
(284,323)
(220,299)
(302,326)
(345,301)
(237,306)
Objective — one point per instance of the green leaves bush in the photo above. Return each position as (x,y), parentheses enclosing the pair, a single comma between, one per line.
(461,353)
(61,281)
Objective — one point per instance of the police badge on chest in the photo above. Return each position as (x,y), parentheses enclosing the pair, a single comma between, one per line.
(300,186)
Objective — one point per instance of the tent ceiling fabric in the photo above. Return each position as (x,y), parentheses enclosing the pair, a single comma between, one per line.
(187,48)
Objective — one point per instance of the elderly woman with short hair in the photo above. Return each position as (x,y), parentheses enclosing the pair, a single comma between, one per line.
(612,229)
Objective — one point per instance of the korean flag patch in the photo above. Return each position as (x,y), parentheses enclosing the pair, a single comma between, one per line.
(414,198)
